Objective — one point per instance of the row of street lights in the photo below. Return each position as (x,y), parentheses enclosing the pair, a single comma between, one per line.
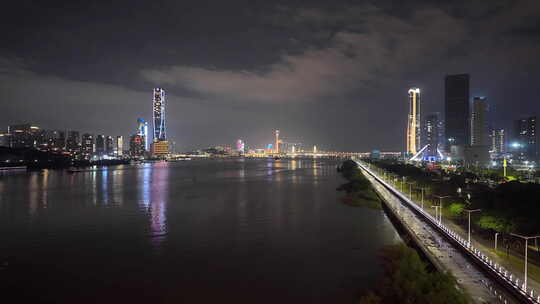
(438,217)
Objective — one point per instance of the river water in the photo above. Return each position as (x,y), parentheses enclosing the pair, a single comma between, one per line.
(201,231)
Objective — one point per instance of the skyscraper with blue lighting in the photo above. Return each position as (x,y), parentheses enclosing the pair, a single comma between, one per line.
(158,104)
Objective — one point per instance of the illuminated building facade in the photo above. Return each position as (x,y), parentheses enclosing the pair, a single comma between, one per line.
(413,122)
(119,146)
(142,129)
(160,148)
(136,145)
(73,142)
(240,146)
(498,141)
(276,147)
(87,145)
(525,138)
(52,140)
(24,136)
(109,145)
(158,104)
(432,134)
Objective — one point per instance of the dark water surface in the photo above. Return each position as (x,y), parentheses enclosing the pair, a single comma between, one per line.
(201,231)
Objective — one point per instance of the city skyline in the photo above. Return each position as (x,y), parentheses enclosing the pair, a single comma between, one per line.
(303,68)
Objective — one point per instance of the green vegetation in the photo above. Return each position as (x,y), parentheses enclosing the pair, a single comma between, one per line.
(511,206)
(456,209)
(408,280)
(358,189)
(493,222)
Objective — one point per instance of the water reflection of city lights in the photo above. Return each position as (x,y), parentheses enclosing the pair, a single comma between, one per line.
(153,199)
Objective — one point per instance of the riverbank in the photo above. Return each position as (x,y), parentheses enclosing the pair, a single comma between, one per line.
(358,190)
(484,224)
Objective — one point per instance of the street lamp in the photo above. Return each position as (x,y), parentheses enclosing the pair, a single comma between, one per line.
(526,238)
(422,200)
(496,234)
(410,189)
(436,208)
(469,211)
(440,206)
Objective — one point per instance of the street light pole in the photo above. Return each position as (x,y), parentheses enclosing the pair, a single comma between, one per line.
(496,234)
(440,206)
(436,208)
(422,201)
(526,238)
(469,211)
(410,189)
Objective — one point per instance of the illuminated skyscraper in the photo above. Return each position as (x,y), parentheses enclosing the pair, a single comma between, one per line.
(158,104)
(432,133)
(526,138)
(119,151)
(142,130)
(498,141)
(240,146)
(136,145)
(413,123)
(276,147)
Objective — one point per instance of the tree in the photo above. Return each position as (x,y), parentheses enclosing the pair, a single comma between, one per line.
(407,280)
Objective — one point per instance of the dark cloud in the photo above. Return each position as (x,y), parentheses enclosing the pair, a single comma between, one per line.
(324,72)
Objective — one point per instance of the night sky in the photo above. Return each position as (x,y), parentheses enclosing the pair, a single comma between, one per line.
(330,73)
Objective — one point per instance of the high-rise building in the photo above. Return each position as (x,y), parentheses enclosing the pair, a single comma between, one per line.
(276,147)
(442,139)
(136,145)
(119,146)
(497,141)
(456,105)
(87,145)
(73,142)
(142,129)
(413,122)
(24,136)
(479,121)
(525,138)
(240,146)
(100,144)
(109,145)
(158,104)
(55,140)
(432,134)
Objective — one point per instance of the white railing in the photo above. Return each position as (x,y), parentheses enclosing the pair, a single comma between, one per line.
(498,271)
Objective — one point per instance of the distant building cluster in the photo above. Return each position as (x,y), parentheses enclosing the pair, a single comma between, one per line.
(78,146)
(466,134)
(89,146)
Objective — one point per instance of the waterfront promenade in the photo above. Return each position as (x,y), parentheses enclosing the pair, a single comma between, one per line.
(446,252)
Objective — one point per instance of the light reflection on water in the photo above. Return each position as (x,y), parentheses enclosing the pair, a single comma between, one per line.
(199,231)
